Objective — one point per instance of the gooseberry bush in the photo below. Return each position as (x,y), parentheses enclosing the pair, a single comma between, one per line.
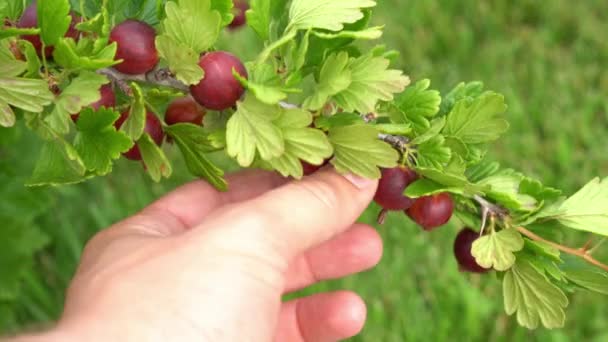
(100,80)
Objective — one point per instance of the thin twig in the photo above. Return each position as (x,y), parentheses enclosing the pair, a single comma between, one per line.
(572,251)
(159,76)
(397,141)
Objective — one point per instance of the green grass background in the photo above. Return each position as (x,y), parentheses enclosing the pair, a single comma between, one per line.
(550,59)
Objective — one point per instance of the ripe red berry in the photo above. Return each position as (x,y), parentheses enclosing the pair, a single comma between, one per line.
(29,19)
(462,251)
(240,19)
(431,212)
(154,128)
(184,110)
(391,187)
(309,169)
(107,100)
(219,89)
(136,47)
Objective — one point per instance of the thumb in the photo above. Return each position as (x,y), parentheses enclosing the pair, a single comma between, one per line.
(301,214)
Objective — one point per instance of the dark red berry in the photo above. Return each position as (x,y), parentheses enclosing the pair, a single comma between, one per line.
(219,89)
(154,128)
(240,19)
(462,251)
(29,19)
(309,169)
(431,212)
(391,187)
(184,110)
(136,47)
(107,100)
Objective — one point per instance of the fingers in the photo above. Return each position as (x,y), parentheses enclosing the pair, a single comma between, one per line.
(186,206)
(326,317)
(299,215)
(354,251)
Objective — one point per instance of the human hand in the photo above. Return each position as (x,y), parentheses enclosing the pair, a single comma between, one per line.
(199,265)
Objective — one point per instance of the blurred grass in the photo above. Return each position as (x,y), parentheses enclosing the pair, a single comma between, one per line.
(550,59)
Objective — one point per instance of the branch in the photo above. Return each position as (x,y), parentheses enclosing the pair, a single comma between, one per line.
(159,76)
(581,253)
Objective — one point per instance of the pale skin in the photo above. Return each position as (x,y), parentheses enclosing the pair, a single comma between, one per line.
(199,265)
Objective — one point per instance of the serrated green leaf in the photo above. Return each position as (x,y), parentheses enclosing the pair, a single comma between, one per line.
(251,130)
(194,143)
(444,177)
(83,91)
(59,164)
(262,13)
(338,120)
(9,65)
(135,124)
(32,59)
(395,129)
(157,164)
(369,33)
(417,104)
(426,187)
(478,122)
(224,8)
(16,32)
(530,293)
(183,60)
(70,56)
(505,190)
(301,143)
(326,14)
(358,150)
(587,210)
(585,275)
(265,86)
(482,170)
(467,92)
(53,19)
(433,153)
(371,82)
(27,94)
(496,250)
(435,128)
(334,78)
(192,24)
(97,140)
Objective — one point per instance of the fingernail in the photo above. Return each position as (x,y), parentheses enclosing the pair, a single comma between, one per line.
(357,181)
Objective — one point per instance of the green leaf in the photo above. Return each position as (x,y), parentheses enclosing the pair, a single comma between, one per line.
(83,91)
(192,24)
(68,55)
(426,187)
(261,14)
(100,26)
(12,9)
(157,164)
(338,120)
(9,65)
(395,129)
(358,150)
(136,122)
(27,94)
(182,59)
(59,164)
(371,81)
(467,92)
(31,56)
(224,7)
(433,153)
(435,128)
(417,104)
(194,143)
(334,78)
(370,33)
(504,188)
(585,275)
(478,122)
(53,19)
(264,84)
(326,14)
(496,250)
(97,140)
(444,177)
(16,32)
(301,143)
(530,293)
(482,170)
(251,130)
(587,210)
